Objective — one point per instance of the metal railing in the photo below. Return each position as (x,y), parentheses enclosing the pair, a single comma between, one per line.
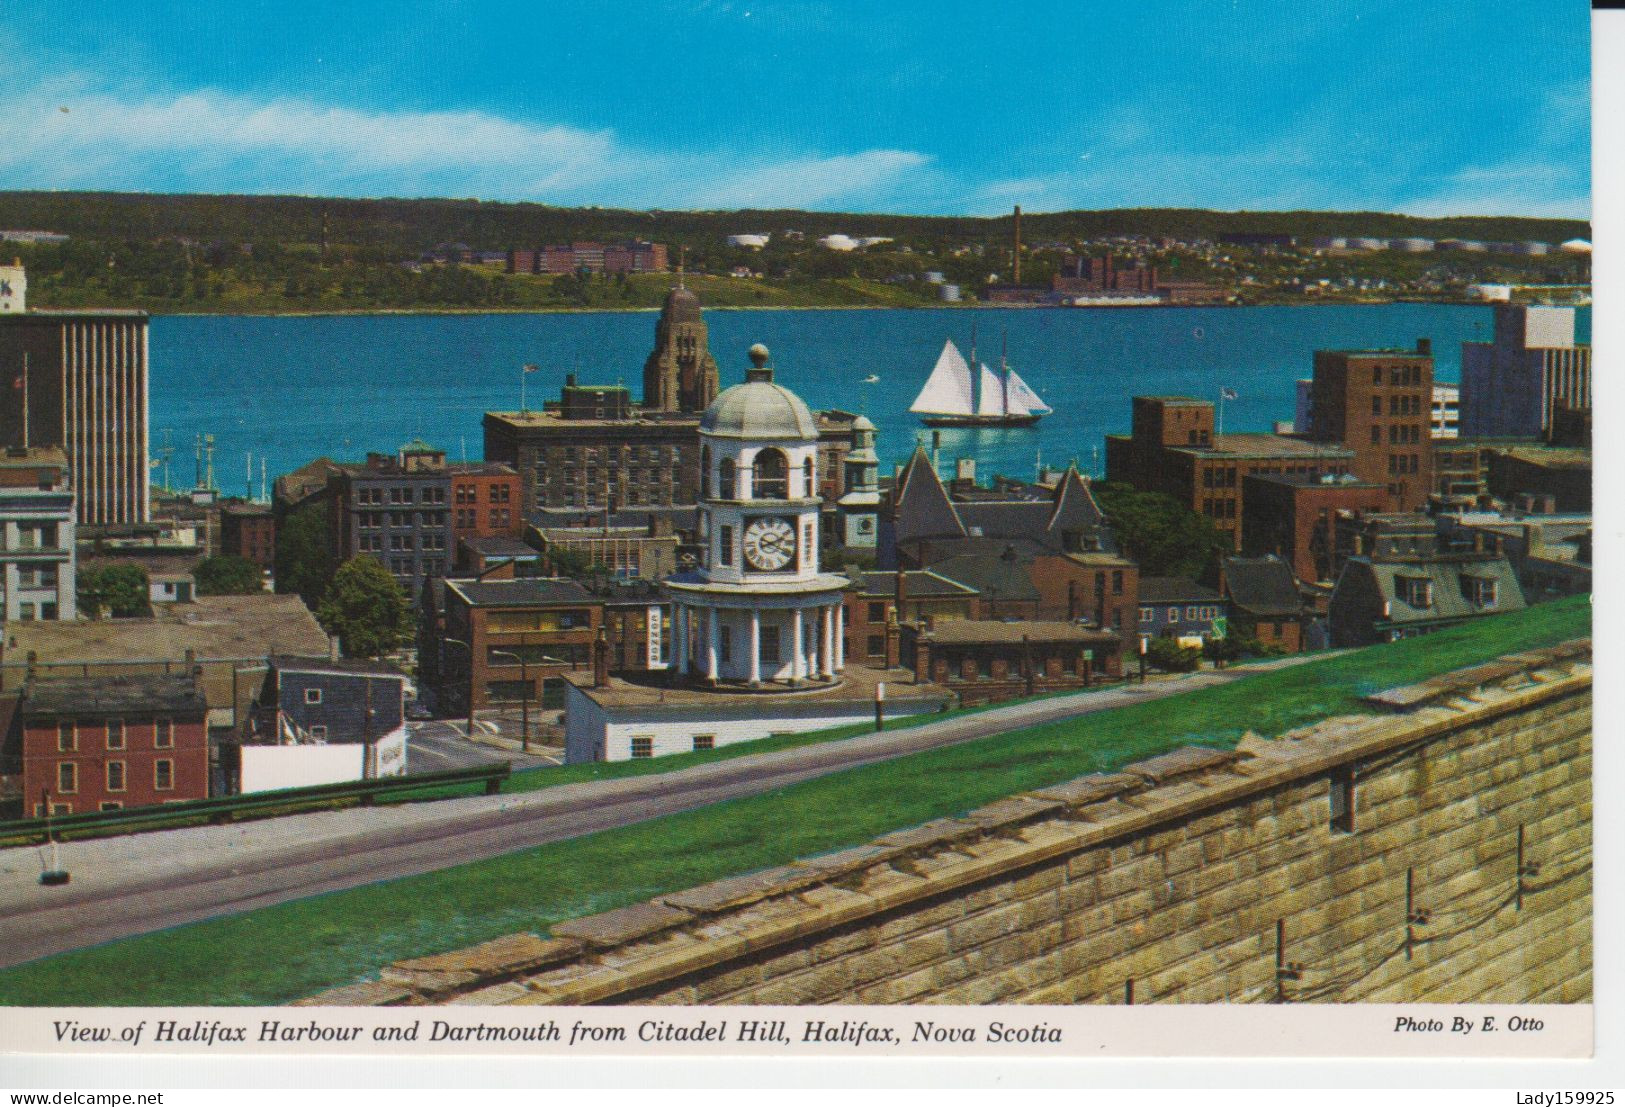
(223,809)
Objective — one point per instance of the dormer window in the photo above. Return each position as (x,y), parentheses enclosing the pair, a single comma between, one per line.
(1479,591)
(1417,592)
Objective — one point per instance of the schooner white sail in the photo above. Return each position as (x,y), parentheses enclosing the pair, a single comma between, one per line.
(951,396)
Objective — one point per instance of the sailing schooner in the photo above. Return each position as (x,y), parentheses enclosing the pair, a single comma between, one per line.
(954,397)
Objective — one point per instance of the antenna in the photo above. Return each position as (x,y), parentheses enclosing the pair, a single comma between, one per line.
(682,263)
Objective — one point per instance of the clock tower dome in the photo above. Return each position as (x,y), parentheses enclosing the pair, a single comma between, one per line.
(758,612)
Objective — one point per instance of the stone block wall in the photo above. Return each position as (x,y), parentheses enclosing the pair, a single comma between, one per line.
(1438,851)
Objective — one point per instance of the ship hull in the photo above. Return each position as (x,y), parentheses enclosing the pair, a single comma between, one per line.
(979,420)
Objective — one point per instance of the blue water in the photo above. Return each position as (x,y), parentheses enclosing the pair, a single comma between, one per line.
(294,388)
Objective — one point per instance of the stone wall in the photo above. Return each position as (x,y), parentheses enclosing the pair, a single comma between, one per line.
(1459,872)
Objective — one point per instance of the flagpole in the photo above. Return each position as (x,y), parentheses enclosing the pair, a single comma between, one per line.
(1221,410)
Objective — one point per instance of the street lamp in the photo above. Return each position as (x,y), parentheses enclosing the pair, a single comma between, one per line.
(524,699)
(470,696)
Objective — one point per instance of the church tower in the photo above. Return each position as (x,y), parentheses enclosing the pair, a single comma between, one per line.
(681,374)
(758,612)
(859,507)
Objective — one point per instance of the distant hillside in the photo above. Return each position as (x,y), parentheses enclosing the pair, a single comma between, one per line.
(409,227)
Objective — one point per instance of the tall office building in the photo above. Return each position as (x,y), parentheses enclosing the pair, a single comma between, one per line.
(1533,371)
(77,380)
(1379,403)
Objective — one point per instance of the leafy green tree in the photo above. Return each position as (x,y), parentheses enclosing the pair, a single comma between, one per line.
(365,608)
(302,565)
(122,591)
(1163,536)
(228,575)
(1169,656)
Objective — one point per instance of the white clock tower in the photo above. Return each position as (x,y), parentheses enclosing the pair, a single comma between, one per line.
(758,613)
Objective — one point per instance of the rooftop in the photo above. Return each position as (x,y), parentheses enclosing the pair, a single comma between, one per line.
(113,695)
(1551,457)
(971,632)
(1175,590)
(324,664)
(1261,444)
(1311,480)
(922,584)
(855,689)
(210,626)
(523,591)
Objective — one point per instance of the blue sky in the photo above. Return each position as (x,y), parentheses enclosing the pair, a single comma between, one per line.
(1421,106)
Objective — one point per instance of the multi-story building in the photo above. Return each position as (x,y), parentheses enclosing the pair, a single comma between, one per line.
(1446,417)
(1379,404)
(248,530)
(512,641)
(1562,473)
(79,382)
(1519,383)
(397,509)
(1265,602)
(37,549)
(1294,516)
(105,743)
(1174,607)
(593,450)
(485,501)
(877,603)
(625,553)
(1385,598)
(1174,450)
(591,257)
(317,720)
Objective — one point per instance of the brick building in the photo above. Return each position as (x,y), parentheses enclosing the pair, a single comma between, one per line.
(485,501)
(396,509)
(105,743)
(1173,449)
(1379,404)
(984,661)
(515,632)
(1294,516)
(1265,602)
(872,633)
(248,530)
(1560,472)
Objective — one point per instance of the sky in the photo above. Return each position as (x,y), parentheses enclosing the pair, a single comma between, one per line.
(1429,107)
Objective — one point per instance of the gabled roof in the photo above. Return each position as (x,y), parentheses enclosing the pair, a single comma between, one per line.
(1262,586)
(921,584)
(519,591)
(923,509)
(1154,590)
(113,695)
(1446,575)
(997,577)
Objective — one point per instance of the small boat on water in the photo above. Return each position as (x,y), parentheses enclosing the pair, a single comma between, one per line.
(954,396)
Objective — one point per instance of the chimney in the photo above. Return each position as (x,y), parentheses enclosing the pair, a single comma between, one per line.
(600,660)
(901,591)
(1424,346)
(894,651)
(965,471)
(333,648)
(1072,601)
(569,380)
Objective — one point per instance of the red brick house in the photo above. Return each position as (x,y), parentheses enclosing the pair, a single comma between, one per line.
(105,743)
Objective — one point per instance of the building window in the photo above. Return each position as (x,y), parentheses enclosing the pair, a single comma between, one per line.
(1416,591)
(1480,590)
(67,738)
(877,612)
(876,645)
(115,776)
(112,805)
(770,475)
(725,545)
(1147,614)
(1117,582)
(705,742)
(67,777)
(768,644)
(318,733)
(163,775)
(115,734)
(313,695)
(163,731)
(643,746)
(1342,801)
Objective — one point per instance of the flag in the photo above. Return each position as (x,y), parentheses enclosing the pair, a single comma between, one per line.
(1229,394)
(532,368)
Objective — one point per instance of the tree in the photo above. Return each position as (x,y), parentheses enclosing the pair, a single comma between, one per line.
(1166,538)
(1169,656)
(228,575)
(302,564)
(365,608)
(122,591)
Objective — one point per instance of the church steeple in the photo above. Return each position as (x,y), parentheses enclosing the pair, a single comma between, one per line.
(680,375)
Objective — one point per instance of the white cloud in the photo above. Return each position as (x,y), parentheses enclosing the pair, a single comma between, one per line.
(210,141)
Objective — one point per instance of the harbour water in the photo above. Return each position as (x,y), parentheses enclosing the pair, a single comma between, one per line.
(288,389)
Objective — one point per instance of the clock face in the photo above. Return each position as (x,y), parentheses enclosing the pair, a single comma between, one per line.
(770,544)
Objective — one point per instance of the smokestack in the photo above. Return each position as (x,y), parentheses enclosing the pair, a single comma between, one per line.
(1016,277)
(901,593)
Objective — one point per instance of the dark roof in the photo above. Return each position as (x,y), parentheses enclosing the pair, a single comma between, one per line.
(298,663)
(1175,590)
(1262,586)
(480,469)
(996,577)
(923,509)
(113,695)
(523,590)
(501,545)
(987,631)
(920,583)
(921,504)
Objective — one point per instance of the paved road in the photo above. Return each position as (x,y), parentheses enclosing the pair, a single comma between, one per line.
(437,746)
(141,883)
